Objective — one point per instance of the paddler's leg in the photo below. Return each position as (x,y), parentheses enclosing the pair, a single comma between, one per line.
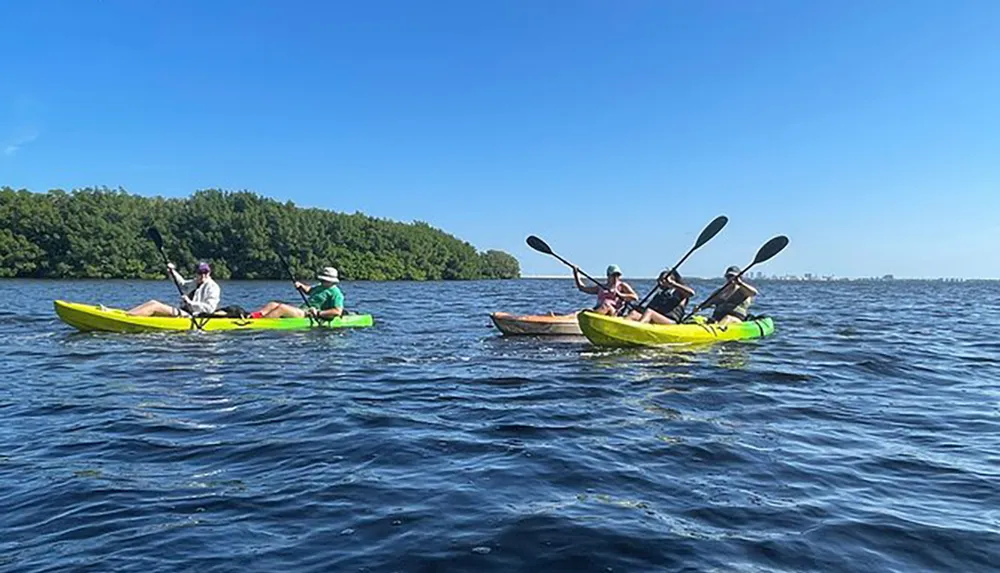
(285,311)
(152,308)
(653,317)
(606,308)
(267,307)
(729,319)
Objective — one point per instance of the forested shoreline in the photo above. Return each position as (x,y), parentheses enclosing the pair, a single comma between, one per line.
(101,233)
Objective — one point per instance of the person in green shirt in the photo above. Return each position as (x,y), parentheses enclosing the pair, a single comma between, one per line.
(324,300)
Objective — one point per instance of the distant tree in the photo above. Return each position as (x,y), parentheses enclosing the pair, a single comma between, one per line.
(100,233)
(499,265)
(18,257)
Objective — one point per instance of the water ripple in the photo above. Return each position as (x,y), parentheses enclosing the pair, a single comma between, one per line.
(865,441)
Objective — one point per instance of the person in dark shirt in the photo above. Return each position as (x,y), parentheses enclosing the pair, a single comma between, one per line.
(667,307)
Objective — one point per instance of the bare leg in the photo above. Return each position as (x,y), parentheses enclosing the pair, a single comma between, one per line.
(729,319)
(607,309)
(152,308)
(285,311)
(653,317)
(268,307)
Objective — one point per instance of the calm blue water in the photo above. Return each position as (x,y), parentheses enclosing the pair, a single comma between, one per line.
(864,436)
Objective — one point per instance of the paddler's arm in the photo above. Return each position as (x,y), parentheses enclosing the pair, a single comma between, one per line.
(628,292)
(686,291)
(747,289)
(303,287)
(330,313)
(713,301)
(580,285)
(177,276)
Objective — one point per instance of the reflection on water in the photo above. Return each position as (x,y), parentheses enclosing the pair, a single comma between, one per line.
(735,355)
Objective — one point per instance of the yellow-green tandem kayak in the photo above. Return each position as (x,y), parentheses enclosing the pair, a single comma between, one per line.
(603,330)
(88,317)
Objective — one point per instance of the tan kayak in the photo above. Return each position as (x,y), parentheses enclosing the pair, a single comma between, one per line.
(537,324)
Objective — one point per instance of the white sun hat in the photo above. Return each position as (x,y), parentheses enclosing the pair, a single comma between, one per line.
(329,274)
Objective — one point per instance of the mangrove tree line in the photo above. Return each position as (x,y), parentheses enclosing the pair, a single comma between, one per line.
(101,233)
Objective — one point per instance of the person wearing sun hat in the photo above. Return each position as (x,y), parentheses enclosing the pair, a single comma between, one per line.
(202,299)
(324,300)
(732,304)
(612,295)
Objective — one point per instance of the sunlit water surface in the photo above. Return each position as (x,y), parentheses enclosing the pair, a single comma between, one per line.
(863,436)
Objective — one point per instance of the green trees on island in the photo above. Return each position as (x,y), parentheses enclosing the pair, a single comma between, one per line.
(100,233)
(499,265)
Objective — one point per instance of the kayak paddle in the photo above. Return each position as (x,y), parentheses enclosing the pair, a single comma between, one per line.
(706,235)
(768,251)
(284,263)
(154,235)
(543,247)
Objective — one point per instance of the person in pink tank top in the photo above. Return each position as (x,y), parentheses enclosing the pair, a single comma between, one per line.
(612,295)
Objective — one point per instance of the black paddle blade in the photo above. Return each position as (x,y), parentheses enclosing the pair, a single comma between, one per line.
(539,245)
(771,248)
(155,236)
(711,230)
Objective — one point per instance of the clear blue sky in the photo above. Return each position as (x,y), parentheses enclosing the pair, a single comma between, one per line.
(868,132)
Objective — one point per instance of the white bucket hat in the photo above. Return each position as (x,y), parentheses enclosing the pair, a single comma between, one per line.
(329,274)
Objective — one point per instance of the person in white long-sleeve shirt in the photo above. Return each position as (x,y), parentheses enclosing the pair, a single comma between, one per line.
(202,299)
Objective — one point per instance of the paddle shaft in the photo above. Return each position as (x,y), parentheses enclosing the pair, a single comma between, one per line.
(599,285)
(707,234)
(173,278)
(543,247)
(157,239)
(284,263)
(291,276)
(767,252)
(656,287)
(592,279)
